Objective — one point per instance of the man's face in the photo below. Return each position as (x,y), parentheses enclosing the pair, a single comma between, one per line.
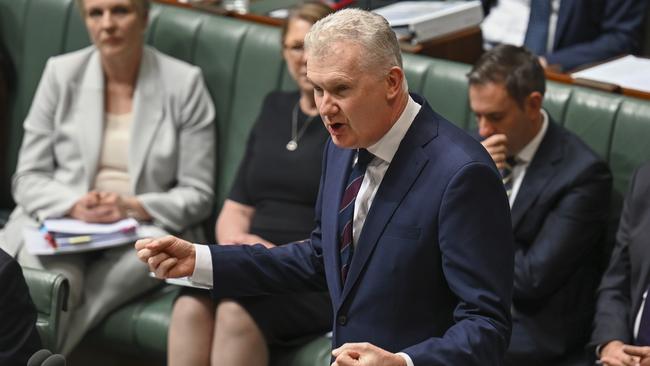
(498,113)
(353,102)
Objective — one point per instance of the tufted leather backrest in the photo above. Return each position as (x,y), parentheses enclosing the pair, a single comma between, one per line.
(242,62)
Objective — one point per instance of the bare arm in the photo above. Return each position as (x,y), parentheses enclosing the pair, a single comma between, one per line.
(233,225)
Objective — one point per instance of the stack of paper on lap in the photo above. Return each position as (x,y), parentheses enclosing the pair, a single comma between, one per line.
(58,236)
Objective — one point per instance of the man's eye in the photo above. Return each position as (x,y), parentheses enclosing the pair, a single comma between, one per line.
(94,13)
(341,89)
(494,117)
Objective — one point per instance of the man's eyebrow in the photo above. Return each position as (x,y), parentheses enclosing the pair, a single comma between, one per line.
(334,81)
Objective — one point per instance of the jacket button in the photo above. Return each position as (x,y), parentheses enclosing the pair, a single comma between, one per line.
(342,319)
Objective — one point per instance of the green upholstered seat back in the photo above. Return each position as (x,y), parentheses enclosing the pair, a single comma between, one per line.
(49,292)
(242,62)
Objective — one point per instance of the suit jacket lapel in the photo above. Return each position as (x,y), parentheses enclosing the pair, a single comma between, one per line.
(540,171)
(90,116)
(400,176)
(147,114)
(338,169)
(564,15)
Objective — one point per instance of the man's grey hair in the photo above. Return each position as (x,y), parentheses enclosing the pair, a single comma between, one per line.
(369,30)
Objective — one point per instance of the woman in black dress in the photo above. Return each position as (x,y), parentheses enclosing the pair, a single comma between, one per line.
(272,202)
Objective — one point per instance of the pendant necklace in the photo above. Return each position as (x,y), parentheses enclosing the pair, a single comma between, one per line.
(292,145)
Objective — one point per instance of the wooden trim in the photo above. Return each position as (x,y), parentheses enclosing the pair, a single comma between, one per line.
(174,3)
(258,18)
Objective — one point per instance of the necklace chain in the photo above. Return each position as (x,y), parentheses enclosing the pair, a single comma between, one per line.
(296,134)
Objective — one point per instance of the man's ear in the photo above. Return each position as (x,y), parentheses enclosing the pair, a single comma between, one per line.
(534,102)
(394,81)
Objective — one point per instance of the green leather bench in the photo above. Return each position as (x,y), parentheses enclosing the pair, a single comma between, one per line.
(49,291)
(241,63)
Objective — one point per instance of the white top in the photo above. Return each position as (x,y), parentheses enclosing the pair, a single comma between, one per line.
(524,157)
(507,23)
(113,172)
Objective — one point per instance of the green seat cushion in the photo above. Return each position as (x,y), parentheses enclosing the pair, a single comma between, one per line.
(140,326)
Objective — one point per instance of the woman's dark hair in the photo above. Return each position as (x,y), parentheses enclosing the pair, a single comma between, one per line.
(309,11)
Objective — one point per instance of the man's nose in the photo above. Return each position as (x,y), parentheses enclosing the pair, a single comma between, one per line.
(327,107)
(485,129)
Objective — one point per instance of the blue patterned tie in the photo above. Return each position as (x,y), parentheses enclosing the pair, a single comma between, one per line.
(507,176)
(643,337)
(537,32)
(346,210)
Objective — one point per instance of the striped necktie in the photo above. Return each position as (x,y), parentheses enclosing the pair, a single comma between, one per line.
(538,22)
(346,210)
(507,176)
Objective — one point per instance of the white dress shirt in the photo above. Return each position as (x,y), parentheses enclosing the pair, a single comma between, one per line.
(507,23)
(524,157)
(637,320)
(383,150)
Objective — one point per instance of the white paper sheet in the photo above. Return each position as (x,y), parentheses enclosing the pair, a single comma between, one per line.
(73,226)
(629,72)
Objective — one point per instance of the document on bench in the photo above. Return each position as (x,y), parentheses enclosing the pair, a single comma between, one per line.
(424,20)
(628,72)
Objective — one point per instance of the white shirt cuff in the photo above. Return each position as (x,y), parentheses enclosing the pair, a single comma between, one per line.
(406,358)
(203,266)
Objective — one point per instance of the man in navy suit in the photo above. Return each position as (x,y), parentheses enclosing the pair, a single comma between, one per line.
(574,32)
(559,191)
(621,334)
(427,277)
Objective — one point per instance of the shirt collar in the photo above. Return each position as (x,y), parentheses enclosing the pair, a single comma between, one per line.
(528,152)
(387,146)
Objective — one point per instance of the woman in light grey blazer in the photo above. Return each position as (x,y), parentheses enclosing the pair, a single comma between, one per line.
(115,130)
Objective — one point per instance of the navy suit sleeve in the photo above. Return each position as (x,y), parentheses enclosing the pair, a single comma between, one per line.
(477,256)
(619,34)
(571,230)
(614,305)
(251,270)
